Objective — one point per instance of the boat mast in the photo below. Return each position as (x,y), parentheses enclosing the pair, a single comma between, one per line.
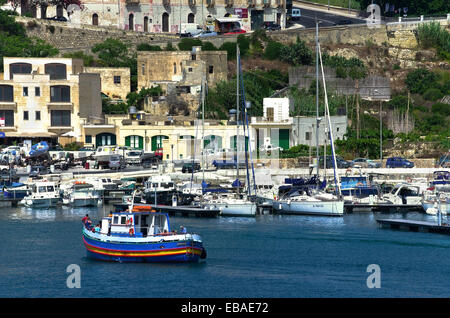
(237,114)
(327,115)
(317,99)
(203,131)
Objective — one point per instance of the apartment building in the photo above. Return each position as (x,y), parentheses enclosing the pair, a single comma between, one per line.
(44,98)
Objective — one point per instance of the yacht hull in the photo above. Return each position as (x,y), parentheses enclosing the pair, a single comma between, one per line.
(324,208)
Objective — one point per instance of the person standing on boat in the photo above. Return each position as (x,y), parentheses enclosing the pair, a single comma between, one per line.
(84,220)
(97,228)
(183,230)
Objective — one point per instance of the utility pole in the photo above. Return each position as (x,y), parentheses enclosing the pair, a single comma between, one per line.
(237,113)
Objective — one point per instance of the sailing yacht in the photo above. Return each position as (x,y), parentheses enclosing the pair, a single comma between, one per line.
(310,200)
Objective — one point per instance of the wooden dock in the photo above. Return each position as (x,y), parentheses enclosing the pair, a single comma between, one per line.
(387,208)
(414,226)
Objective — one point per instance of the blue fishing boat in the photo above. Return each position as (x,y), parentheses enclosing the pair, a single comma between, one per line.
(358,186)
(139,234)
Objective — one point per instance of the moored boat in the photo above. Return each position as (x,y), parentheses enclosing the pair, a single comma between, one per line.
(44,194)
(140,234)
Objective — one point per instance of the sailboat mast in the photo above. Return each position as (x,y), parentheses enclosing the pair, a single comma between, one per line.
(317,97)
(237,113)
(203,130)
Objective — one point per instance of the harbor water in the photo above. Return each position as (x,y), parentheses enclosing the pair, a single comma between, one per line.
(265,256)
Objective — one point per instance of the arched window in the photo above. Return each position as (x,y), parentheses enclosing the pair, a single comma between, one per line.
(165,22)
(59,11)
(19,68)
(95,19)
(191,18)
(174,68)
(131,22)
(56,70)
(59,93)
(6,93)
(145,24)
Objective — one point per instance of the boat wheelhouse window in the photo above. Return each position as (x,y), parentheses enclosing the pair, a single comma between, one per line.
(116,220)
(42,189)
(154,185)
(123,220)
(50,189)
(136,220)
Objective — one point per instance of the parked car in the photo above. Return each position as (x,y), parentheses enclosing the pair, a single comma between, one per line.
(398,162)
(117,162)
(56,18)
(204,34)
(341,163)
(365,163)
(344,21)
(188,167)
(271,26)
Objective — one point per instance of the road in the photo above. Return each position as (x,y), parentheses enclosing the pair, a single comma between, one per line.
(308,18)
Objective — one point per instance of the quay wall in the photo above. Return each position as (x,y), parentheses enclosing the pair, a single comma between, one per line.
(81,37)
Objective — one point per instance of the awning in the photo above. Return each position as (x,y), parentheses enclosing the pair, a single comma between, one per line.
(228,20)
(31,134)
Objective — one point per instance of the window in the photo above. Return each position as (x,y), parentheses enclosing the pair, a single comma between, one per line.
(25,115)
(19,68)
(88,139)
(211,69)
(37,91)
(8,115)
(116,220)
(60,93)
(308,135)
(6,93)
(174,68)
(25,91)
(38,115)
(190,69)
(56,70)
(60,118)
(116,79)
(123,220)
(143,68)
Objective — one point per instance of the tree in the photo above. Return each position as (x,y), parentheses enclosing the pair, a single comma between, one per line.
(297,54)
(112,52)
(419,80)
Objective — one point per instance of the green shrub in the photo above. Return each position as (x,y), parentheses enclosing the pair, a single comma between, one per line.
(230,47)
(148,47)
(441,108)
(272,51)
(186,44)
(297,54)
(433,94)
(244,44)
(419,80)
(208,46)
(433,35)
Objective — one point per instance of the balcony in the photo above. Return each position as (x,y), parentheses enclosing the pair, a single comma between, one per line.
(210,3)
(132,1)
(8,105)
(229,3)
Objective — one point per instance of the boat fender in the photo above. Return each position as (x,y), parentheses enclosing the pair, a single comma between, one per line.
(131,232)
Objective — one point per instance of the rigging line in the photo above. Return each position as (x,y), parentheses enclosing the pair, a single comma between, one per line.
(336,176)
(249,140)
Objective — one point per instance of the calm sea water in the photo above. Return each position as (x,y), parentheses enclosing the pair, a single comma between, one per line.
(267,256)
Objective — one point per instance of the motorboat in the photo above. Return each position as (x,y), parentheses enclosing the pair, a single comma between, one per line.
(139,234)
(160,189)
(405,194)
(441,181)
(433,201)
(81,194)
(43,194)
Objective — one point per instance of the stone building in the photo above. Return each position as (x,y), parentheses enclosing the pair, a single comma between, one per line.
(44,98)
(168,15)
(180,75)
(115,80)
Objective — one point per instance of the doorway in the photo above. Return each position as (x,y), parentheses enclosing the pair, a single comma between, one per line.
(165,22)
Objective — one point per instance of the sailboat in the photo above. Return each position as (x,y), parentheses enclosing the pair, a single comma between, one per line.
(309,200)
(237,203)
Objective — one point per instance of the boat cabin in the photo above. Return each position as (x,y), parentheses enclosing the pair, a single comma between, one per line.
(159,183)
(43,187)
(137,223)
